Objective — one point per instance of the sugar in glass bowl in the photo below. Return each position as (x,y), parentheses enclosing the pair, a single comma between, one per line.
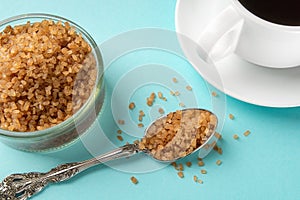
(66,128)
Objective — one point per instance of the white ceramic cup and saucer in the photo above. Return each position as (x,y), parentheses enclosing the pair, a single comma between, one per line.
(240,43)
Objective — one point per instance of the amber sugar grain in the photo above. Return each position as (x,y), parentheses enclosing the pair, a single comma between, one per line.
(134,180)
(47,73)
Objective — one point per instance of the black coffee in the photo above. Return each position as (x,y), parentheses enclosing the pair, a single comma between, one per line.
(284,12)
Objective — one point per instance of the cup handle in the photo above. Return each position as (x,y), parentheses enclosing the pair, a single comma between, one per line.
(221,36)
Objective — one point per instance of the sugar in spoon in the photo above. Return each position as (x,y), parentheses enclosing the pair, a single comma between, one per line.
(167,139)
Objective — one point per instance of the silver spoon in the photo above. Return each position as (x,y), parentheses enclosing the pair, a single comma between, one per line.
(23,186)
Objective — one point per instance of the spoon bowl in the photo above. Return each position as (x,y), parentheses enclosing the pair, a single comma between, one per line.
(179,134)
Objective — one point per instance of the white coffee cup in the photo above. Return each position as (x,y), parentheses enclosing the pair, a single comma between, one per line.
(237,30)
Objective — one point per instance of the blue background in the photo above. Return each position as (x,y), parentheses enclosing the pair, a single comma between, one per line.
(264,165)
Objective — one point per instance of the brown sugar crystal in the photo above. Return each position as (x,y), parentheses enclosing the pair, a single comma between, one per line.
(200,163)
(141,115)
(189,164)
(121,122)
(189,88)
(218,149)
(180,174)
(150,99)
(180,167)
(131,106)
(218,162)
(161,111)
(134,180)
(195,178)
(235,136)
(160,95)
(120,137)
(246,133)
(174,164)
(181,104)
(174,79)
(140,125)
(214,94)
(218,135)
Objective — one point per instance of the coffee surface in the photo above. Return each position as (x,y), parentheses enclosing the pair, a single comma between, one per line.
(284,12)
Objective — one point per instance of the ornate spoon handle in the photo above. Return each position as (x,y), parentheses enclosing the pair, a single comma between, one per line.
(23,186)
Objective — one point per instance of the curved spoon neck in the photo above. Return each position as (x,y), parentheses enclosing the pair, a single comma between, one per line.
(122,152)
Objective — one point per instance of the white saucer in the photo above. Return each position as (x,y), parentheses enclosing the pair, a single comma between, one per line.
(241,79)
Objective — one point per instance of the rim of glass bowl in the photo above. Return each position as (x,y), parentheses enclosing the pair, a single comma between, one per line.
(91,100)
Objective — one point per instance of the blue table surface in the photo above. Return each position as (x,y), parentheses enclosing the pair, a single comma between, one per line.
(264,165)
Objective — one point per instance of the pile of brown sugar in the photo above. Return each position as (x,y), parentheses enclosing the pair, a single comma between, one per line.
(178,134)
(47,73)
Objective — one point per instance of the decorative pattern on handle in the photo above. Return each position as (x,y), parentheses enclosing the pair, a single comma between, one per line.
(23,186)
